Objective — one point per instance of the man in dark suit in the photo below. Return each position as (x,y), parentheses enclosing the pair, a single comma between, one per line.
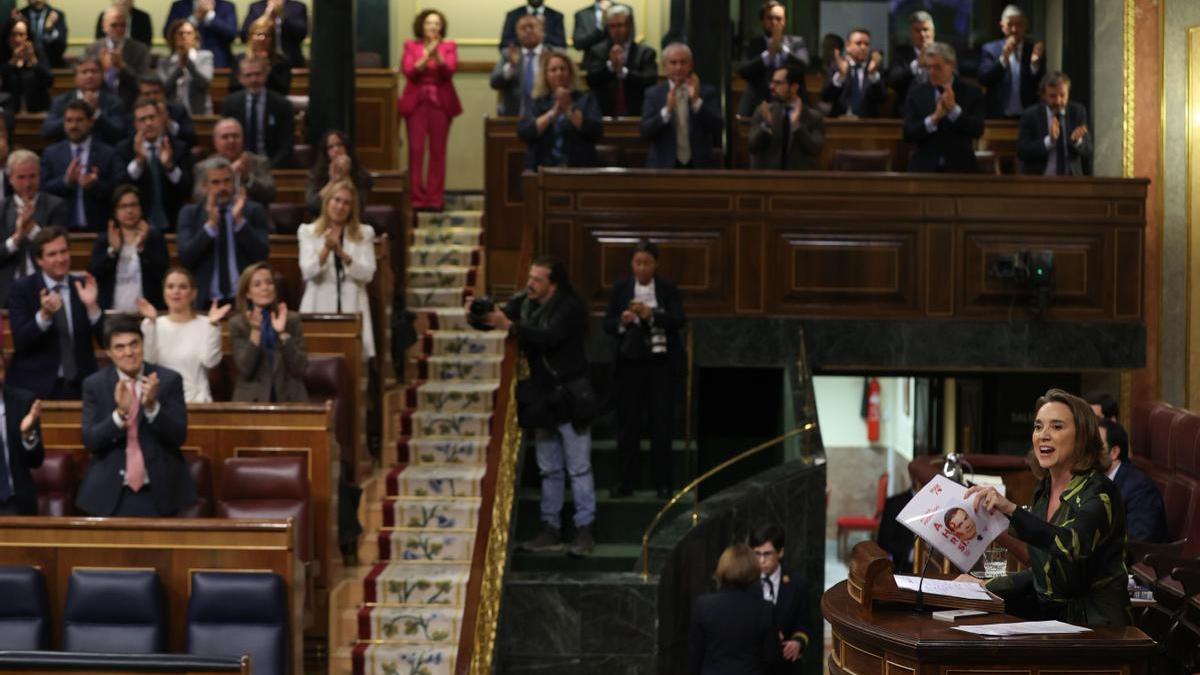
(217,22)
(552,24)
(134,420)
(766,53)
(48,30)
(54,318)
(180,125)
(81,170)
(1011,67)
(141,28)
(159,166)
(266,116)
(855,83)
(221,235)
(291,26)
(1053,138)
(23,215)
(250,171)
(1145,518)
(943,117)
(20,449)
(786,134)
(619,69)
(680,117)
(122,60)
(111,124)
(787,591)
(591,25)
(517,71)
(906,64)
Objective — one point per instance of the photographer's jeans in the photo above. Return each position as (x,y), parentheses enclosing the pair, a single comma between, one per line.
(563,452)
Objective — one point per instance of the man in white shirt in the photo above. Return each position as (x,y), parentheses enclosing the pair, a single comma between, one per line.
(1053,138)
(80,169)
(159,165)
(855,85)
(787,592)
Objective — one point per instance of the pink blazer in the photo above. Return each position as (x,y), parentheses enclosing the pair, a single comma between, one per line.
(433,82)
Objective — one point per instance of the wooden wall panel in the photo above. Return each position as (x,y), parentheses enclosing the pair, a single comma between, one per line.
(1083,286)
(843,271)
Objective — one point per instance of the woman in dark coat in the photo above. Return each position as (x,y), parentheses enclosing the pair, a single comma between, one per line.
(732,630)
(131,257)
(564,124)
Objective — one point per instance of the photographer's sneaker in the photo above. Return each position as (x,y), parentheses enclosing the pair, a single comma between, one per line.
(584,542)
(549,539)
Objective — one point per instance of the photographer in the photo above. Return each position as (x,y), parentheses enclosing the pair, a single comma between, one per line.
(645,315)
(549,321)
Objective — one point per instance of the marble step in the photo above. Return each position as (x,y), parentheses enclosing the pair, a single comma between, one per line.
(413,544)
(453,395)
(447,236)
(443,276)
(430,424)
(475,369)
(442,450)
(456,343)
(436,256)
(414,584)
(400,625)
(418,298)
(430,514)
(436,480)
(449,219)
(388,659)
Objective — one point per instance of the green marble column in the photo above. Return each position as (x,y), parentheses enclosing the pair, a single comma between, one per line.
(374,24)
(331,88)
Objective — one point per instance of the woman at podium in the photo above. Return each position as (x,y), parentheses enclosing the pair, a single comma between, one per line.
(1075,527)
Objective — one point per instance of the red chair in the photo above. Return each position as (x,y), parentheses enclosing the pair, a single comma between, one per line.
(848,524)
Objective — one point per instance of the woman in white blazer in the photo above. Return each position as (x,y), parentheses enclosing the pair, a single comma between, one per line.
(188,71)
(337,259)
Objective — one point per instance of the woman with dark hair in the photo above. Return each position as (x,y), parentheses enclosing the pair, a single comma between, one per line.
(181,339)
(337,162)
(427,105)
(188,71)
(644,318)
(1075,527)
(260,41)
(564,123)
(733,630)
(130,262)
(267,341)
(25,71)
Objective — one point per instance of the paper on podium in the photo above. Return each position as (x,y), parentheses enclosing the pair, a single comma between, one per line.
(1024,628)
(939,515)
(950,589)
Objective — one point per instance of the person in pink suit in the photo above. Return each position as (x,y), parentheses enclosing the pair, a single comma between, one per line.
(428,104)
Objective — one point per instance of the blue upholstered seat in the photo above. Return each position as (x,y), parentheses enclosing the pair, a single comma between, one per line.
(235,613)
(115,611)
(24,612)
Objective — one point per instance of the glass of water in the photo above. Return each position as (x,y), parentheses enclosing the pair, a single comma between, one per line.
(995,561)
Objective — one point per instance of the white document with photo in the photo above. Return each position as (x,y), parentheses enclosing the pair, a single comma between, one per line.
(940,516)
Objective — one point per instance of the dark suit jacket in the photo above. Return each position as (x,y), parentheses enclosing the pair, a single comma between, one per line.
(216,36)
(197,247)
(153,257)
(641,72)
(294,28)
(50,210)
(36,356)
(186,130)
(255,375)
(56,46)
(950,148)
(140,26)
(758,75)
(97,200)
(111,126)
(791,617)
(278,127)
(733,632)
(555,33)
(668,315)
(29,87)
(1145,518)
(900,76)
(839,97)
(705,126)
(16,406)
(1031,140)
(587,33)
(174,195)
(137,63)
(171,482)
(766,147)
(279,77)
(579,145)
(998,81)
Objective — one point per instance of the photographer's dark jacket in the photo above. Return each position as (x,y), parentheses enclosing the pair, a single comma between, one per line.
(554,334)
(668,315)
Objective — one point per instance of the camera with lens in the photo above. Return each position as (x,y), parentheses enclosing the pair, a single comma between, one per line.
(478,312)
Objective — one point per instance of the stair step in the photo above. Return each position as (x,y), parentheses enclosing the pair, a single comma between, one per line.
(479,368)
(465,342)
(399,584)
(428,513)
(430,424)
(605,558)
(618,521)
(445,318)
(444,276)
(434,256)
(447,236)
(422,659)
(402,625)
(435,480)
(607,467)
(442,451)
(453,395)
(449,219)
(418,298)
(412,544)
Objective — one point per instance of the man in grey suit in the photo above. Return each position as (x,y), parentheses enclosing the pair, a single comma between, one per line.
(122,59)
(250,171)
(767,52)
(516,73)
(24,214)
(786,134)
(134,421)
(590,24)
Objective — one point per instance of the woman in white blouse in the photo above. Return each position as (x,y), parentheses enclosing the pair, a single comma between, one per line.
(337,259)
(188,71)
(181,340)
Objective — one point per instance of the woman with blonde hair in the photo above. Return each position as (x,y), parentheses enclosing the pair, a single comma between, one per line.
(267,341)
(337,259)
(186,342)
(733,630)
(188,71)
(563,124)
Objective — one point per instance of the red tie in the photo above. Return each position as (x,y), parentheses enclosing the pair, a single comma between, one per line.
(135,463)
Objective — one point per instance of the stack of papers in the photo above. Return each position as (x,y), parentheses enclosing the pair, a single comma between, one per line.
(950,589)
(1024,628)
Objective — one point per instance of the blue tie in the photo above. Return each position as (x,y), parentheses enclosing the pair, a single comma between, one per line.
(6,489)
(80,215)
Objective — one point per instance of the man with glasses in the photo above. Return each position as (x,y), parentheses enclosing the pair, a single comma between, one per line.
(786,591)
(785,134)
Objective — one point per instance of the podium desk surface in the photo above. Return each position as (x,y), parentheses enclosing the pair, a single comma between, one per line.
(895,639)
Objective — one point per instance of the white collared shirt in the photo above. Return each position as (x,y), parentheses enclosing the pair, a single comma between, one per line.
(135,169)
(771,595)
(1112,471)
(11,245)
